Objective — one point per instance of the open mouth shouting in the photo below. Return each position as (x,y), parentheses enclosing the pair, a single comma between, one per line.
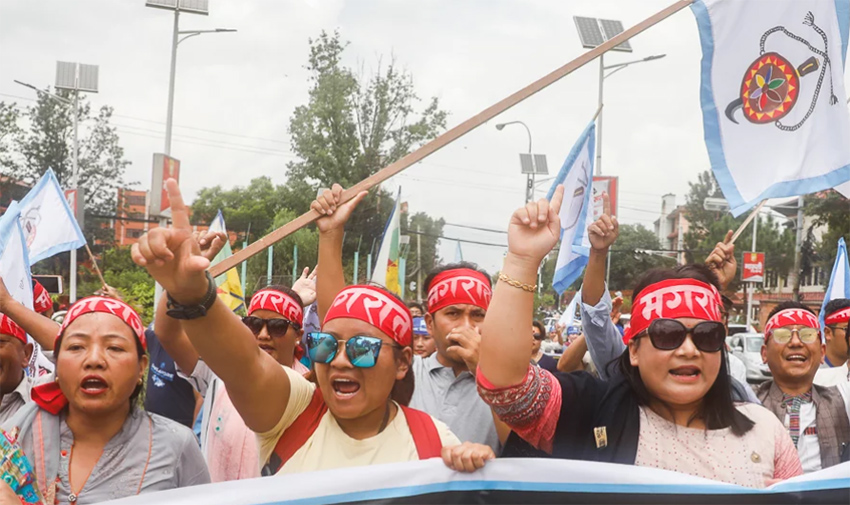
(344,387)
(93,385)
(686,374)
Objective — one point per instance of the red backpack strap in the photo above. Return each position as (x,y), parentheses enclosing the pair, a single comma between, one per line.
(424,432)
(294,437)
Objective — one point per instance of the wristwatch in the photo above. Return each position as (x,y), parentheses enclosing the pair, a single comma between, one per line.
(186,312)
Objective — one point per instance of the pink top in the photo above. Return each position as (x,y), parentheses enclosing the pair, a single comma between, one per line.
(232,452)
(749,460)
(533,407)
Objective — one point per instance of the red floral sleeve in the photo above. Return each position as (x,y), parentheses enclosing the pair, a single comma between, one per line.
(531,408)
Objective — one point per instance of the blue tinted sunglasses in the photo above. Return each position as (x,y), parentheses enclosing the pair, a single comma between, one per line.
(362,351)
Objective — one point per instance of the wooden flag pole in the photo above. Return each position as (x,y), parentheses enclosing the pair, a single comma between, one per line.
(449,136)
(94,262)
(743,226)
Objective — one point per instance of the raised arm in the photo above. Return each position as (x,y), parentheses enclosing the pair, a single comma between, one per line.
(570,360)
(252,377)
(168,330)
(42,329)
(331,279)
(602,338)
(533,232)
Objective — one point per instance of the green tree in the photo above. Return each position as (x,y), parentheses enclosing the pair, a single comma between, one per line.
(426,230)
(350,128)
(627,263)
(707,228)
(48,142)
(832,210)
(120,272)
(254,206)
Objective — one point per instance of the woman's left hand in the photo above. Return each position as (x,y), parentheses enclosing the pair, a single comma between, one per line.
(467,457)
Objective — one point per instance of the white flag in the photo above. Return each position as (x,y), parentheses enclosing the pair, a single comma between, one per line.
(386,266)
(577,176)
(48,223)
(773,100)
(15,272)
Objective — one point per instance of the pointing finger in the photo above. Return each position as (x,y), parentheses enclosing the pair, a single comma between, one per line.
(606,204)
(557,199)
(728,238)
(179,213)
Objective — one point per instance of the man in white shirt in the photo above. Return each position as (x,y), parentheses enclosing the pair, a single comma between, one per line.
(816,417)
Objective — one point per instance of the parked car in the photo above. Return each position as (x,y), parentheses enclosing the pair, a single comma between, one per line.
(734,329)
(747,347)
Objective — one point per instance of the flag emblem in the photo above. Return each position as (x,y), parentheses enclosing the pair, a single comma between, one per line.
(771,84)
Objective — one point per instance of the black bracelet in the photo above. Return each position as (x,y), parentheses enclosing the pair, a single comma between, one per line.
(177,310)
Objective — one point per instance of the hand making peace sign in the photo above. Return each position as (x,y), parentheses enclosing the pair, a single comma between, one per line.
(172,256)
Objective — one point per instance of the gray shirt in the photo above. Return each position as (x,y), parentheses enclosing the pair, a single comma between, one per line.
(175,460)
(16,399)
(454,401)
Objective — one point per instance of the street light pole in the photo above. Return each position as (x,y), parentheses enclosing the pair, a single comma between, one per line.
(599,119)
(170,115)
(529,186)
(75,168)
(602,68)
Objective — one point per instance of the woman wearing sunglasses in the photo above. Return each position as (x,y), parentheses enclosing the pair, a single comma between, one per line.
(275,316)
(349,419)
(85,436)
(670,407)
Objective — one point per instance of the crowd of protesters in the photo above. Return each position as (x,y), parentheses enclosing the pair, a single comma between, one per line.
(321,375)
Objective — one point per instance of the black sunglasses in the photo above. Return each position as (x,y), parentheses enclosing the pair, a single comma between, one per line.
(669,334)
(276,327)
(538,336)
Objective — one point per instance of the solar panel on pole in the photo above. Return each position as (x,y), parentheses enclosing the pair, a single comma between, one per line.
(540,165)
(526,163)
(594,32)
(611,28)
(589,32)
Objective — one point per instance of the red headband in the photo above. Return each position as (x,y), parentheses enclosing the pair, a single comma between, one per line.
(374,306)
(791,317)
(461,286)
(279,302)
(41,301)
(9,327)
(672,299)
(112,306)
(49,396)
(839,316)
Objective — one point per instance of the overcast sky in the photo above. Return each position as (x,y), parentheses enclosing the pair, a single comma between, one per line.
(236,91)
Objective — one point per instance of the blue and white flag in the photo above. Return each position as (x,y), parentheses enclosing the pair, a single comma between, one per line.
(839,281)
(15,272)
(774,107)
(48,223)
(577,177)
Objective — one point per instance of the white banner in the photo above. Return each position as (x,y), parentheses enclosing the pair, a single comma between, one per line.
(773,100)
(502,481)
